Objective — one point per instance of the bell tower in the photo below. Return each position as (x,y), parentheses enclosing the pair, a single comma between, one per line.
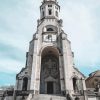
(49,9)
(47,68)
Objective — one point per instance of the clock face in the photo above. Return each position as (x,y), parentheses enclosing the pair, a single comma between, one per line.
(49,38)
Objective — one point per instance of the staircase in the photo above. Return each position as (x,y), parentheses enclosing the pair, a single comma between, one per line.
(46,97)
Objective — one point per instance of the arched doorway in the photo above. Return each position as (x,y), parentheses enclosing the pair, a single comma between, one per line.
(25,84)
(75,84)
(50,74)
(77,98)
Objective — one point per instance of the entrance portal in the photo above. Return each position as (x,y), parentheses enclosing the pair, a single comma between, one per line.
(50,87)
(50,74)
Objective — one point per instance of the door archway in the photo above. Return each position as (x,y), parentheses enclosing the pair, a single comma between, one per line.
(25,84)
(50,74)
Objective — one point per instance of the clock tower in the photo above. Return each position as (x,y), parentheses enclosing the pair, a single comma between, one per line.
(49,66)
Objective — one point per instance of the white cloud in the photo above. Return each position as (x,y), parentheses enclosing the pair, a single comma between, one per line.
(10,66)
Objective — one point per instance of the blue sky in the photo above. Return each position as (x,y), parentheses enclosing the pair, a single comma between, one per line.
(18,19)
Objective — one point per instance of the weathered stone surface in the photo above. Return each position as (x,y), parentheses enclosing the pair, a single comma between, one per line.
(49,61)
(48,97)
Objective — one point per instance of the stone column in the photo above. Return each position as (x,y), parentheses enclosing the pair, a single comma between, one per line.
(61,74)
(34,67)
(38,71)
(67,64)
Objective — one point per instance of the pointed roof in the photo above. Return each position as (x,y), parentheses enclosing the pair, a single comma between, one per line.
(94,74)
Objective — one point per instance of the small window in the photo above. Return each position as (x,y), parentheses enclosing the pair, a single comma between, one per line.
(77,98)
(50,29)
(56,7)
(57,13)
(96,80)
(50,12)
(49,5)
(43,13)
(26,72)
(43,8)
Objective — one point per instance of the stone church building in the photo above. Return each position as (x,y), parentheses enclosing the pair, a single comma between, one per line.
(50,67)
(50,73)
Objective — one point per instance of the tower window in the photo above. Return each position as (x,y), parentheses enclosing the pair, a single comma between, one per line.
(77,98)
(49,5)
(57,13)
(50,12)
(56,7)
(43,13)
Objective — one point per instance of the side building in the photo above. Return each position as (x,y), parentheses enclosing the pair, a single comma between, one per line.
(93,86)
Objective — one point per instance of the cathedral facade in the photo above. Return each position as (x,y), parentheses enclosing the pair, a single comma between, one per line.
(50,67)
(50,72)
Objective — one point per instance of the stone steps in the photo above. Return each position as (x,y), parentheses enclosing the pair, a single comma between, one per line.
(48,97)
